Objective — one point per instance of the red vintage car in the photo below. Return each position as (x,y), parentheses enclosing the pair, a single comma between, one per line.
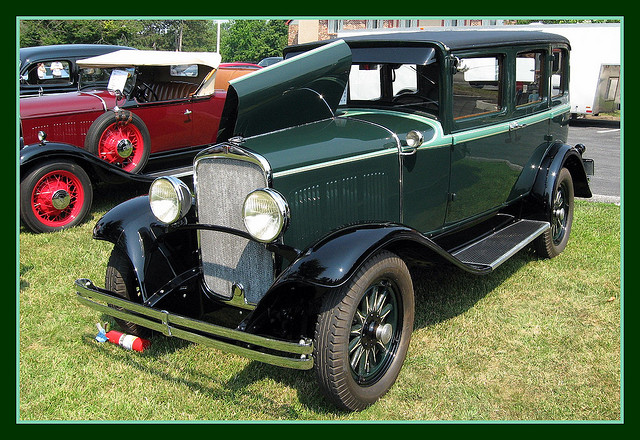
(136,111)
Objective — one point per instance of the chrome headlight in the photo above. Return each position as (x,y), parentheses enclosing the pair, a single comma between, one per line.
(266,214)
(415,138)
(170,199)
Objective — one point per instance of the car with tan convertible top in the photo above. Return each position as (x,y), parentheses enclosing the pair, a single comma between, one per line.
(334,172)
(134,113)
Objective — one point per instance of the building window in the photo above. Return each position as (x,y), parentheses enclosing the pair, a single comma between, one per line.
(404,24)
(454,23)
(374,24)
(334,26)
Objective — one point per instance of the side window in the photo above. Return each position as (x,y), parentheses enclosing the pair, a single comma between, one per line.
(409,86)
(404,79)
(529,78)
(477,87)
(364,82)
(558,72)
(49,72)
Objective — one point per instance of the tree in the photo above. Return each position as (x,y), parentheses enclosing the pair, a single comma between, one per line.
(187,35)
(43,32)
(252,40)
(241,40)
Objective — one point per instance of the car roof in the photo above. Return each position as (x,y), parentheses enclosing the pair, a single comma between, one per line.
(449,39)
(67,50)
(125,58)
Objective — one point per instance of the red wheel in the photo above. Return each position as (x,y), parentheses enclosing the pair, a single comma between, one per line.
(120,138)
(55,196)
(122,145)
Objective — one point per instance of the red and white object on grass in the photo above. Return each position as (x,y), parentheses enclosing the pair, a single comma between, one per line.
(130,342)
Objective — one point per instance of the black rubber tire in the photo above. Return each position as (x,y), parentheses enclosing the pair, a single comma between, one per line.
(27,185)
(553,241)
(334,333)
(121,280)
(123,117)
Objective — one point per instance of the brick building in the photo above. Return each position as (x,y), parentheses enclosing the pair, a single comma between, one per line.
(302,31)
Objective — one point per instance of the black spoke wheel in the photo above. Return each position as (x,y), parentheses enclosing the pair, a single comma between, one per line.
(363,333)
(560,215)
(375,335)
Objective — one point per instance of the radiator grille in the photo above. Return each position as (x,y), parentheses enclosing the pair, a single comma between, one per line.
(221,186)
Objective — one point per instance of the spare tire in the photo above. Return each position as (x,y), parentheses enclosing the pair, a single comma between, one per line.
(120,138)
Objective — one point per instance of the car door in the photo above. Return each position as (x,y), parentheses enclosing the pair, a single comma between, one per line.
(501,124)
(205,112)
(481,173)
(169,123)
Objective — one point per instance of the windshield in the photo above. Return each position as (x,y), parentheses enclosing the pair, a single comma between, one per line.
(99,77)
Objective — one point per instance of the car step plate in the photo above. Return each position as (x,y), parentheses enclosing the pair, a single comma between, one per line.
(496,248)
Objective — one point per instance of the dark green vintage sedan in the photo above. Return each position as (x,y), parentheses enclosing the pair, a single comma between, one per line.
(334,172)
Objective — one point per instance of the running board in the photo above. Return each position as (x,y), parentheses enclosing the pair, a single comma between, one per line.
(498,247)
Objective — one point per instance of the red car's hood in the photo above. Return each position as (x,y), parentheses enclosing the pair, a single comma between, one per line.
(63,103)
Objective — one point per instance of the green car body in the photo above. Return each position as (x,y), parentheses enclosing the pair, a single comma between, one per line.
(359,158)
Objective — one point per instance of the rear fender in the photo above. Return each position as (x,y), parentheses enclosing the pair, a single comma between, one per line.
(558,156)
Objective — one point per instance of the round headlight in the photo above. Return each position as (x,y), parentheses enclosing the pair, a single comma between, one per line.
(414,139)
(170,199)
(265,214)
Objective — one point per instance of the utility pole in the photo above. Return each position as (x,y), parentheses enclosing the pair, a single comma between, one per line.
(218,38)
(179,43)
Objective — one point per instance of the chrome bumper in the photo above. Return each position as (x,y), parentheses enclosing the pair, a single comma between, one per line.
(282,353)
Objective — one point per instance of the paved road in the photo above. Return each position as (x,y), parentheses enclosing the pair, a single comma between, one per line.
(602,139)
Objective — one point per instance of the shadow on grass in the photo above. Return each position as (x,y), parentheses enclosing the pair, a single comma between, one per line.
(444,292)
(236,389)
(441,293)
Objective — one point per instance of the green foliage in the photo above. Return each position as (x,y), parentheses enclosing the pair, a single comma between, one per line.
(252,40)
(43,32)
(241,40)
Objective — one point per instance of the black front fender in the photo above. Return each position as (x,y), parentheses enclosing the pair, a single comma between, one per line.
(334,259)
(98,169)
(130,227)
(156,254)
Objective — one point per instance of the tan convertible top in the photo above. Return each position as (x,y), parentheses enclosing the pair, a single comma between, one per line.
(133,58)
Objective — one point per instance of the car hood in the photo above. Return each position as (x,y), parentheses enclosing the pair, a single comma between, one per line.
(303,89)
(65,103)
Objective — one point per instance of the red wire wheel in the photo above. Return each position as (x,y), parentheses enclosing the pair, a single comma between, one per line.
(121,139)
(55,196)
(122,146)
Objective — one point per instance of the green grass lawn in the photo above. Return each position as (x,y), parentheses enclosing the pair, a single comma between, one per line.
(535,340)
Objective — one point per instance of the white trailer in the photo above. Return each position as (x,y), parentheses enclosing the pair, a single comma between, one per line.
(594,63)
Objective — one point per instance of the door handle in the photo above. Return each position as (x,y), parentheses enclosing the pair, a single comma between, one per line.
(515,125)
(187,112)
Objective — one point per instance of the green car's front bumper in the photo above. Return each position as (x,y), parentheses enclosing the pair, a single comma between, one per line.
(260,348)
